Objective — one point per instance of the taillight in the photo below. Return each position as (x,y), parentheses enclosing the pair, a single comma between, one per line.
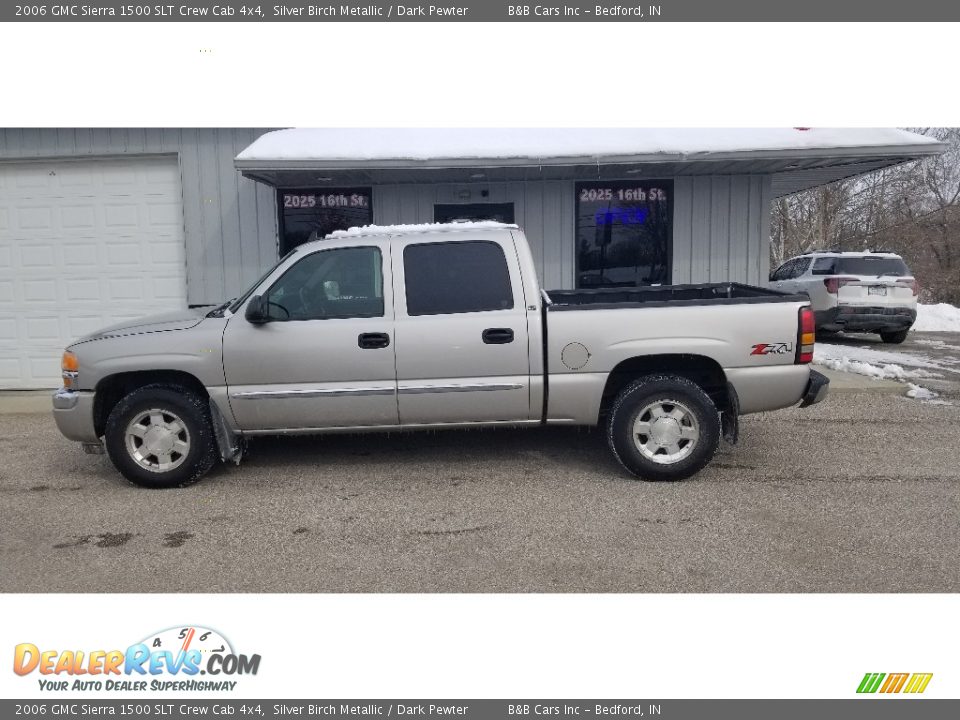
(910,283)
(833,284)
(806,336)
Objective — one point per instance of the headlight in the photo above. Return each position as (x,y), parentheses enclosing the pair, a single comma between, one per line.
(70,367)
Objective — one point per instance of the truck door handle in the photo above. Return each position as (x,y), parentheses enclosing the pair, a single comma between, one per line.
(497,336)
(373,341)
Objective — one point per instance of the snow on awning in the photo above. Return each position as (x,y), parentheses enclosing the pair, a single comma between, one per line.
(390,155)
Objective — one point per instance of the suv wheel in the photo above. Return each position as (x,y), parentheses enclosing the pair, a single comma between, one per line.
(894,337)
(663,427)
(160,436)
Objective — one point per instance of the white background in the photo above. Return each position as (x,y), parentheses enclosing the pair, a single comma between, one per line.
(522,646)
(587,75)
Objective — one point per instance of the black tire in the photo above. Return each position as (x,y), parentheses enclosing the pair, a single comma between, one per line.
(640,394)
(894,337)
(194,413)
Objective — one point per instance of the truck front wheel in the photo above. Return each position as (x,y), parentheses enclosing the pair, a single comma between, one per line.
(160,436)
(663,427)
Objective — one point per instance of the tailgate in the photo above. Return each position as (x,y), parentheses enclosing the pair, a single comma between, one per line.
(876,292)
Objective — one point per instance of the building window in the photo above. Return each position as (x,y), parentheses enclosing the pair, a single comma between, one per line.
(624,232)
(456,277)
(499,212)
(312,214)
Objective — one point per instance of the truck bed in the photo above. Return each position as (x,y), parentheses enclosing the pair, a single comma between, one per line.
(729,293)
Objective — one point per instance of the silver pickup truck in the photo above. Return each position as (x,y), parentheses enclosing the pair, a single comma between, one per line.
(436,326)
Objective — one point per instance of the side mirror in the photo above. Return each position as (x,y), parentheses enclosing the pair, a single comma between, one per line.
(770,278)
(256,312)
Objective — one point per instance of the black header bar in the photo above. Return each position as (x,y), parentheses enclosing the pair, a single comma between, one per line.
(486,11)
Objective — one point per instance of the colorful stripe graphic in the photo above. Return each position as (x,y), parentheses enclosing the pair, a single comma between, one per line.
(894,682)
(918,683)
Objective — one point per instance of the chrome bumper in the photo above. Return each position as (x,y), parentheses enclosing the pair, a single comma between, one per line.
(73,413)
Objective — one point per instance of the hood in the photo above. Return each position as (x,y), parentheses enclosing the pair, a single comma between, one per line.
(176,320)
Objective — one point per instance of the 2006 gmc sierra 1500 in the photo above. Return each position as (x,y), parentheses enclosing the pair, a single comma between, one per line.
(436,326)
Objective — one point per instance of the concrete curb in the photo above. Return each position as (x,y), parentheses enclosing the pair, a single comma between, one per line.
(20,402)
(843,382)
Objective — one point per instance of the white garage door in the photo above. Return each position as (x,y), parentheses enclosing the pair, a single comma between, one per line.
(83,244)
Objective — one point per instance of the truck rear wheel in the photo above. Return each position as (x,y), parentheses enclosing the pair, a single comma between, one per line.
(160,436)
(663,427)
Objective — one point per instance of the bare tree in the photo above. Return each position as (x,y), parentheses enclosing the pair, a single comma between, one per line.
(913,209)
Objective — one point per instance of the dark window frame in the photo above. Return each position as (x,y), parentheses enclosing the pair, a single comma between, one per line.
(500,205)
(282,249)
(383,311)
(619,183)
(406,284)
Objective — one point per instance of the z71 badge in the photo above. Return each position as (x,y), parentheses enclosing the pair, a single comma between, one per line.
(779,348)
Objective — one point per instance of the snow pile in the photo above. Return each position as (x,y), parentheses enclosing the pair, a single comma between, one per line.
(422,227)
(425,144)
(877,372)
(920,393)
(941,317)
(879,364)
(882,365)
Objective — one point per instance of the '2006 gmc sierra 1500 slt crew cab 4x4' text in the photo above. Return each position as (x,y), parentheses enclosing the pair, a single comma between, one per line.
(436,326)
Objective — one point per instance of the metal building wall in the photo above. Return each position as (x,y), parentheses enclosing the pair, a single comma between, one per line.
(720,223)
(229,221)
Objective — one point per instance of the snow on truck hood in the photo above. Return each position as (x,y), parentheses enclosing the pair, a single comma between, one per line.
(175,320)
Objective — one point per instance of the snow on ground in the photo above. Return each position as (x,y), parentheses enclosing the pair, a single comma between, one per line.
(937,318)
(881,365)
(920,393)
(878,372)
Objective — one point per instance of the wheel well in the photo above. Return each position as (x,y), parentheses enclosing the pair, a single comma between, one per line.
(704,371)
(112,388)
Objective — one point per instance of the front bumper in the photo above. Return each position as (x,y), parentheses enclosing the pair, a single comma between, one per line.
(73,413)
(817,389)
(865,318)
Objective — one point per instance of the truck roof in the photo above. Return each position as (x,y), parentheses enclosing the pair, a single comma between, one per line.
(849,253)
(368,230)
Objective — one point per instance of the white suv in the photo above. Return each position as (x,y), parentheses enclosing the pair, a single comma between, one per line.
(867,291)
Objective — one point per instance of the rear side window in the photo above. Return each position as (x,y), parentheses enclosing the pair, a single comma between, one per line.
(799,267)
(456,277)
(864,265)
(791,269)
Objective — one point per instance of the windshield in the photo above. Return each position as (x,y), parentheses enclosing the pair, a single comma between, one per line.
(875,265)
(243,298)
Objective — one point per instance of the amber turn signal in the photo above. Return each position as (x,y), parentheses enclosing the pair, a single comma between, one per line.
(69,362)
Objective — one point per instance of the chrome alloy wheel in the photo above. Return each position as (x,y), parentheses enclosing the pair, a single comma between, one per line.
(157,440)
(666,431)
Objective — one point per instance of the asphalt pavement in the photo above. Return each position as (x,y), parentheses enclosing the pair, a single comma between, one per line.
(858,494)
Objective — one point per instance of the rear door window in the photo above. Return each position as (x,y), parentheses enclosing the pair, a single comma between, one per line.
(456,277)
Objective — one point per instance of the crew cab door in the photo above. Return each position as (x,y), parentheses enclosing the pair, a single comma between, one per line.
(325,358)
(461,330)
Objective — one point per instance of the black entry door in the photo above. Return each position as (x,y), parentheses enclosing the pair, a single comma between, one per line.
(500,212)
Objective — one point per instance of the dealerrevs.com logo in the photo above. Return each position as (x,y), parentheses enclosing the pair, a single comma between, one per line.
(172,659)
